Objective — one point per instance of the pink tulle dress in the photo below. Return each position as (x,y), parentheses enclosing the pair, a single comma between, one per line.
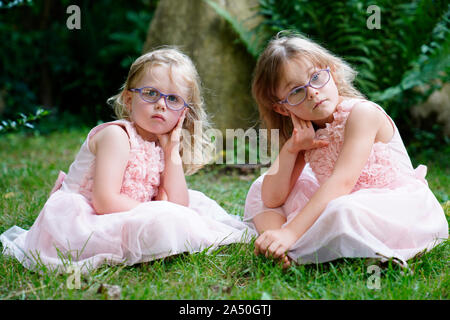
(390,213)
(69,232)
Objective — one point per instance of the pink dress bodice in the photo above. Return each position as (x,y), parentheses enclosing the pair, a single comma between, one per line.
(141,178)
(385,163)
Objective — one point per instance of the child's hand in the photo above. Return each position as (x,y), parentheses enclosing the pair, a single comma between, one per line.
(275,244)
(303,136)
(171,140)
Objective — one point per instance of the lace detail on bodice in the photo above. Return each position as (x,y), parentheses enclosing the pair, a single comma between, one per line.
(380,170)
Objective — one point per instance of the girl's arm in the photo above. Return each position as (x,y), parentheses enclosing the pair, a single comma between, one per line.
(289,164)
(361,129)
(173,181)
(111,148)
(287,167)
(162,195)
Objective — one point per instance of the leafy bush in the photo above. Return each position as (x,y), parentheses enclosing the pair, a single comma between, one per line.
(24,121)
(70,72)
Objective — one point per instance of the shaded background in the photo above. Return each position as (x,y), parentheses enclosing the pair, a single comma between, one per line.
(404,66)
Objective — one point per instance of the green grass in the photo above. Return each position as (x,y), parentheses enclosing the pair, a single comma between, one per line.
(30,164)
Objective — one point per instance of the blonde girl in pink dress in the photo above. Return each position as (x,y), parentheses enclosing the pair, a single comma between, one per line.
(125,198)
(342,184)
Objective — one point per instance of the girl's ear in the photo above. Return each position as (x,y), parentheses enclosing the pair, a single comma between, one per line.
(333,71)
(279,108)
(127,97)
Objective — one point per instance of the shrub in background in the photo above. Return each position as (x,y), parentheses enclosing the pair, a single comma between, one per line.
(70,72)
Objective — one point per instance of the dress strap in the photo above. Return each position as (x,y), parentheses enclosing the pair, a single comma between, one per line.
(126,125)
(58,182)
(131,131)
(385,113)
(394,127)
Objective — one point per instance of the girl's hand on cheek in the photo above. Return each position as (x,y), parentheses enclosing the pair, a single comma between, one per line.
(171,140)
(303,136)
(163,140)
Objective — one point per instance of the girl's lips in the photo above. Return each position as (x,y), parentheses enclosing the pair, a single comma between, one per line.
(158,116)
(319,103)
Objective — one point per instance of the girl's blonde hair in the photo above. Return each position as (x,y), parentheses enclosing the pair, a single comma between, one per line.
(268,73)
(174,58)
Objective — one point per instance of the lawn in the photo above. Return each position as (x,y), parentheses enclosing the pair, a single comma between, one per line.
(30,164)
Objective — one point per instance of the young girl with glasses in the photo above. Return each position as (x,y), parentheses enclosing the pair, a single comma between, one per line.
(125,198)
(342,184)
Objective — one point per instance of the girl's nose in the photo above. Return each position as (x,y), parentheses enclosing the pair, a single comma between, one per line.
(160,104)
(312,92)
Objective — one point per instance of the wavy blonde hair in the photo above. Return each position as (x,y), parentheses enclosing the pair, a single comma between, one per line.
(288,45)
(174,58)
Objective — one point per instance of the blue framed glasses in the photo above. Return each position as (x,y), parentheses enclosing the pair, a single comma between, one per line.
(298,94)
(149,94)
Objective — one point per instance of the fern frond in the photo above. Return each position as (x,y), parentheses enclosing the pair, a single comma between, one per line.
(249,38)
(432,64)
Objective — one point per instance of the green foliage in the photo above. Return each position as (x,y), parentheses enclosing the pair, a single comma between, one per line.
(22,122)
(9,4)
(427,70)
(71,72)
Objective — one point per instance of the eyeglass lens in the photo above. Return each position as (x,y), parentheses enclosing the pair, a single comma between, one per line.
(153,95)
(318,80)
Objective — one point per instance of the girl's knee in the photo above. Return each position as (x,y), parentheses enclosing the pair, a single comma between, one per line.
(268,220)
